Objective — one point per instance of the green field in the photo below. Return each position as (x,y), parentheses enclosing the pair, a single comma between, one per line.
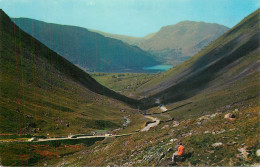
(124,83)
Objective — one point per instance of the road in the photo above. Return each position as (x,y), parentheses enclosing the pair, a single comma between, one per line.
(155,121)
(81,137)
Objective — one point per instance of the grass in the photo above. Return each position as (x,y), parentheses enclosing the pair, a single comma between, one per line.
(42,93)
(51,99)
(199,71)
(230,85)
(124,83)
(144,148)
(25,154)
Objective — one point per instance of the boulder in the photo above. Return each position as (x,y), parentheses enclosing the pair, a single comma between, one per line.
(231,143)
(230,116)
(206,132)
(218,144)
(213,115)
(258,153)
(175,124)
(205,117)
(243,152)
(162,155)
(165,127)
(236,110)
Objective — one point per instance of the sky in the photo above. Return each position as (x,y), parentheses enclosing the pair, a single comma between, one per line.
(130,17)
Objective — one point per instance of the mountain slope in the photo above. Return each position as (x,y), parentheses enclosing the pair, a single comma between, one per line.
(176,43)
(227,60)
(41,92)
(89,50)
(216,119)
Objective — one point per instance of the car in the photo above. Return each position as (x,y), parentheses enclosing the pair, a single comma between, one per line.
(32,139)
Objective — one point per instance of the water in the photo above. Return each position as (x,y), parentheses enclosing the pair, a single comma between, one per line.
(158,68)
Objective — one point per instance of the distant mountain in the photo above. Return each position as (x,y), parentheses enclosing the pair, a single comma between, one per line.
(229,63)
(175,43)
(42,92)
(127,39)
(89,50)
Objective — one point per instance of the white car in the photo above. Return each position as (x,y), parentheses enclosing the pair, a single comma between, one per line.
(32,139)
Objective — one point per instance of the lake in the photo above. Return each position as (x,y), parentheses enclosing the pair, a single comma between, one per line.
(158,68)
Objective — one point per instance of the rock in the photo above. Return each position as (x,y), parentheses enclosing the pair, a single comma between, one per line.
(236,110)
(172,140)
(230,116)
(217,144)
(258,153)
(221,131)
(231,143)
(165,127)
(175,124)
(213,115)
(243,152)
(205,117)
(169,150)
(162,155)
(206,132)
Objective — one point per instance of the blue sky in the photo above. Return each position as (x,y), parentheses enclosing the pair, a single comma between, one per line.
(130,17)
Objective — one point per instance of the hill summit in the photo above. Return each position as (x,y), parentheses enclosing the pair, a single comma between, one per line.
(176,43)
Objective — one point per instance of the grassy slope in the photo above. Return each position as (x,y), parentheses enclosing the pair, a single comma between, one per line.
(90,50)
(202,122)
(145,148)
(212,66)
(123,83)
(197,135)
(40,89)
(180,41)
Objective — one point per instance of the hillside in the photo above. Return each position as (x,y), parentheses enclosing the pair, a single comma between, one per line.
(41,92)
(176,43)
(213,109)
(89,50)
(230,59)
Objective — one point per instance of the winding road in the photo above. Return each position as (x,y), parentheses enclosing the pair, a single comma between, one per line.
(155,121)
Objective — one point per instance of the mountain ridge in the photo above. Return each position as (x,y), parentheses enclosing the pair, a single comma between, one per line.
(176,43)
(198,72)
(90,50)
